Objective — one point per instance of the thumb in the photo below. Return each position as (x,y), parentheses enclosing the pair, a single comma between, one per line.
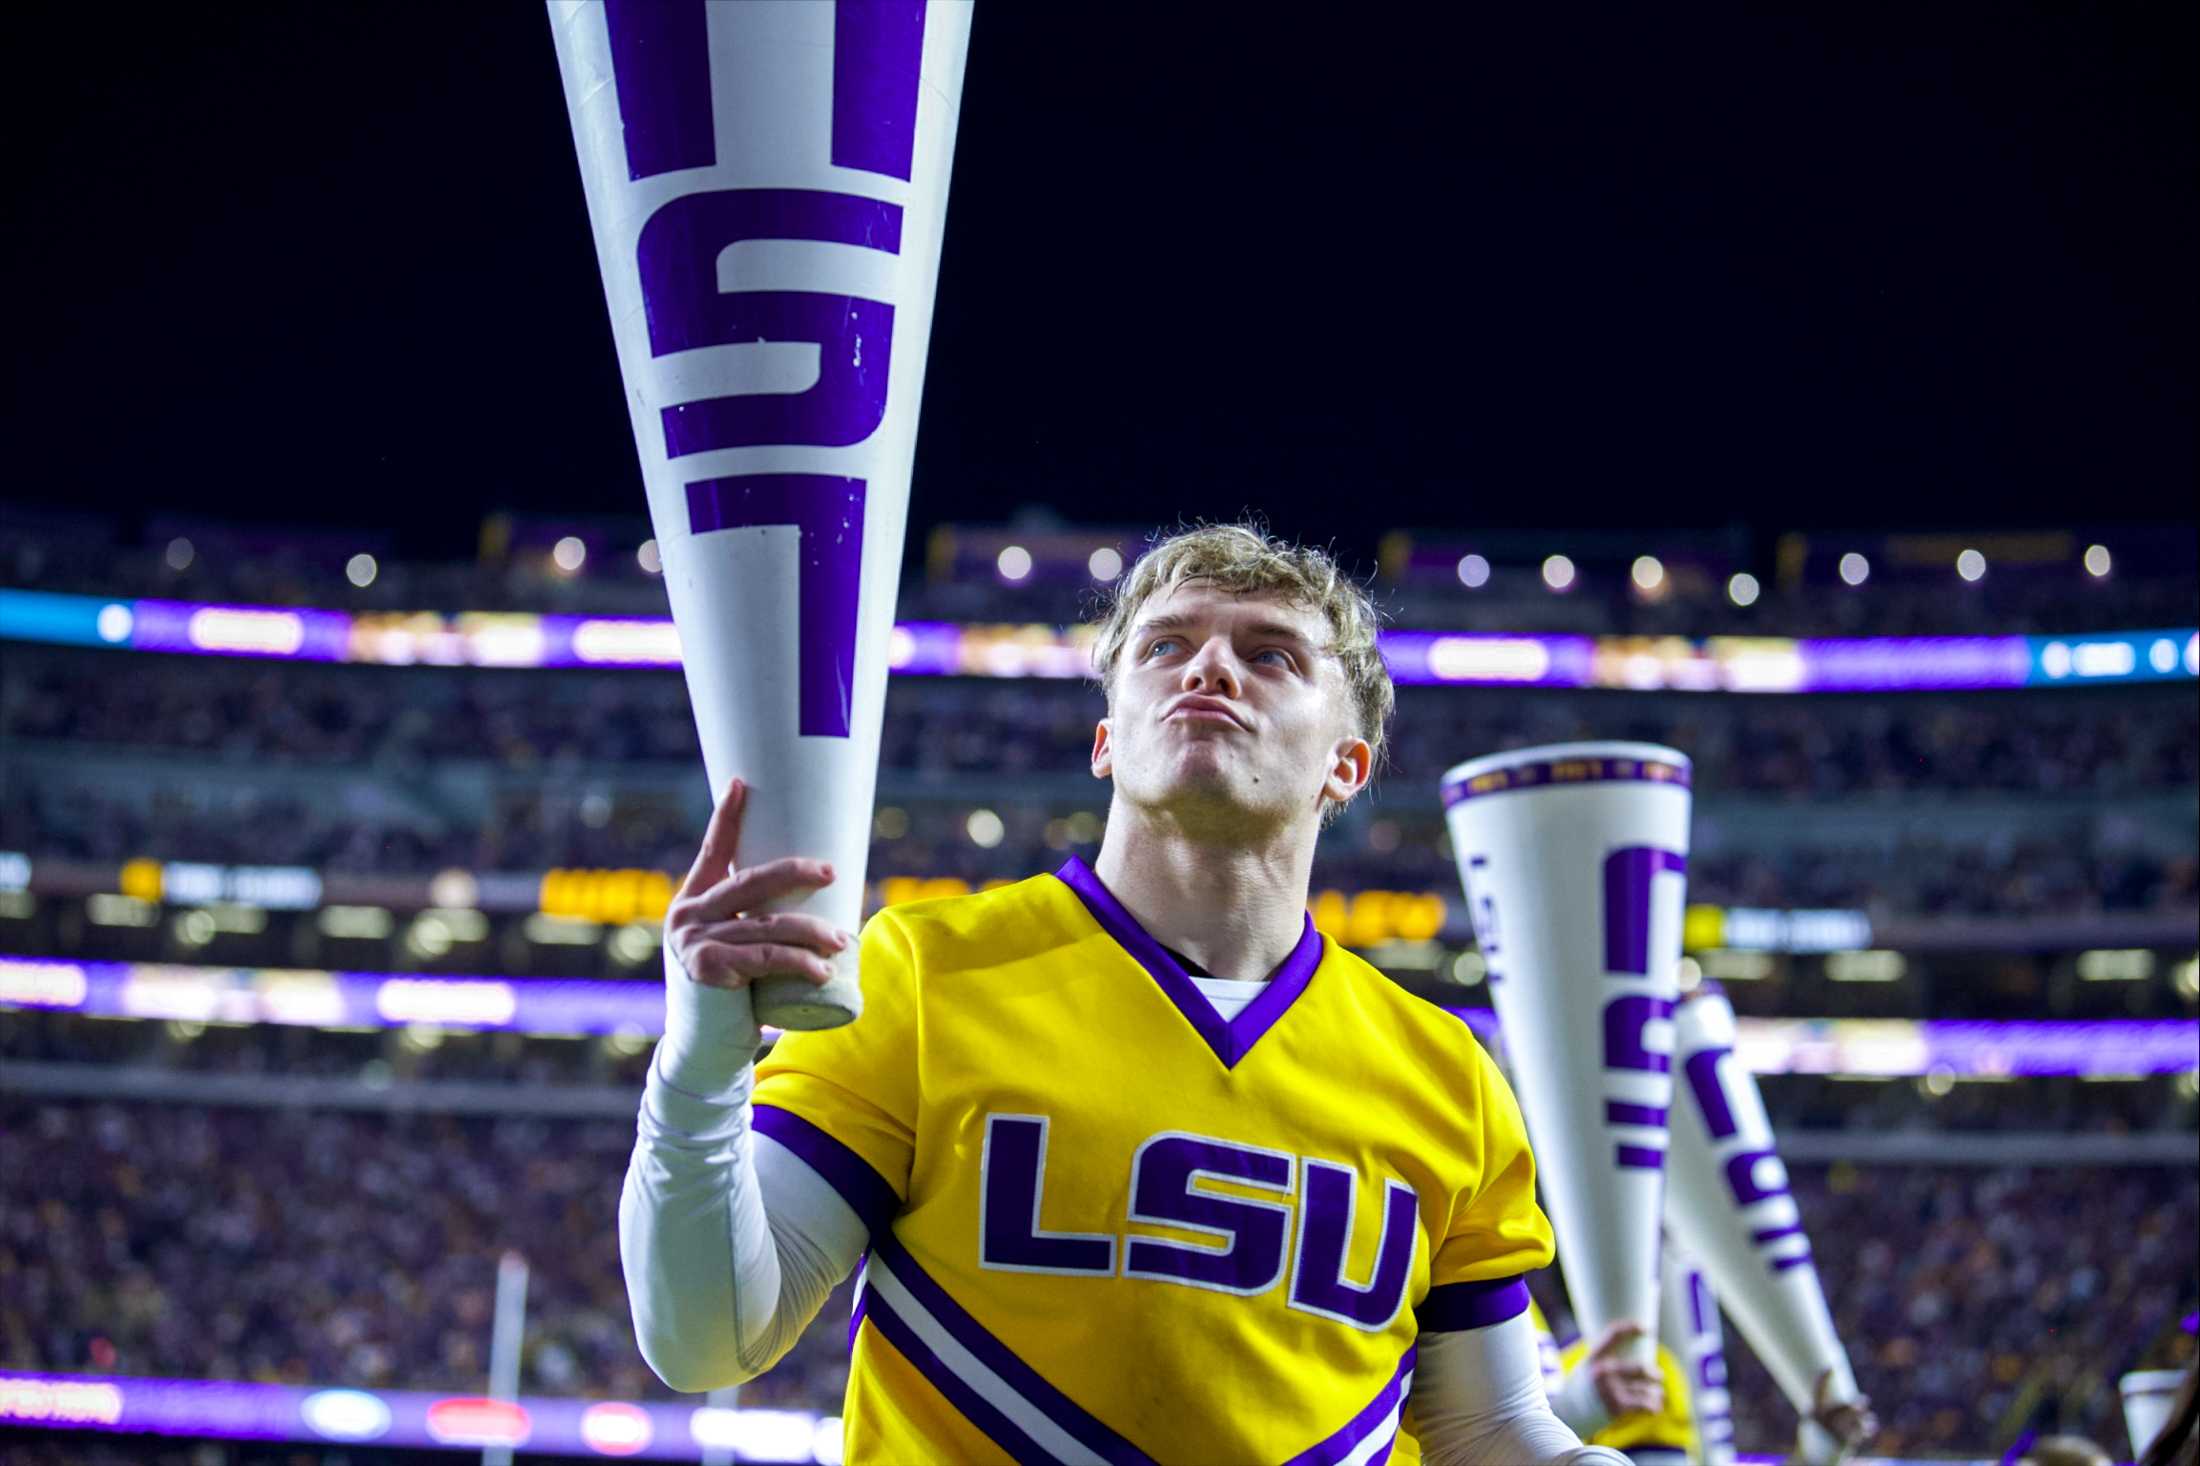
(1617,1335)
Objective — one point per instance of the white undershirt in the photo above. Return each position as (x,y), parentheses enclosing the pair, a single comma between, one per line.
(1229,995)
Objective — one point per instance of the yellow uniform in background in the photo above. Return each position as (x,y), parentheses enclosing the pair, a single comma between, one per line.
(1107,1224)
(1672,1431)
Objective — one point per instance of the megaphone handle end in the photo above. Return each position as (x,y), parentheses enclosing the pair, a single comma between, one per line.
(797,1005)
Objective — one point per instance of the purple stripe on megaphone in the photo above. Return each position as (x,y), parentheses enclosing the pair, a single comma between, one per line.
(1620,1112)
(1629,874)
(878,48)
(677,257)
(828,514)
(1641,1158)
(1565,771)
(660,64)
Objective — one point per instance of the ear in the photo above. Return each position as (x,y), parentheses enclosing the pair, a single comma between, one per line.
(1352,764)
(1103,750)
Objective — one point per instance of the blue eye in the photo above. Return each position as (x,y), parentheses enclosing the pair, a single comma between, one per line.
(1284,658)
(1158,643)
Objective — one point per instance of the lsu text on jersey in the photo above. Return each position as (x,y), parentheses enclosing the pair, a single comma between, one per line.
(1108,1225)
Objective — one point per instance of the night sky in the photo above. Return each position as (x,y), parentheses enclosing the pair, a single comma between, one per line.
(1358,266)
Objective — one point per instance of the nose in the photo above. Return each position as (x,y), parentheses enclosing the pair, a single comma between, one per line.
(1213,670)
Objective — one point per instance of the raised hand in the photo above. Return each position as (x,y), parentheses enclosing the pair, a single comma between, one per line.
(1850,1422)
(715,928)
(1625,1386)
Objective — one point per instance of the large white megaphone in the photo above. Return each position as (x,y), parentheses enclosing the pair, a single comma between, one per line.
(1574,857)
(767,184)
(1729,1206)
(1689,1328)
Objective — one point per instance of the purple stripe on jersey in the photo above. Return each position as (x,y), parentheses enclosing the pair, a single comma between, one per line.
(1619,1112)
(1361,1426)
(1471,1305)
(855,1314)
(1782,1264)
(887,1252)
(1642,1157)
(1773,1234)
(863,1188)
(975,1408)
(1233,1040)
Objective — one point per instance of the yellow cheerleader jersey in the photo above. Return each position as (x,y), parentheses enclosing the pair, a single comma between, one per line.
(1671,1430)
(1108,1226)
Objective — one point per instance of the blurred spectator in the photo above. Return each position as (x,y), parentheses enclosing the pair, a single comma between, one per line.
(256,567)
(2091,741)
(362,1249)
(2057,871)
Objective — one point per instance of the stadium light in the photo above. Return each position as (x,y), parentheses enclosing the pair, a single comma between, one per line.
(1971,565)
(1014,563)
(180,554)
(984,828)
(1648,572)
(1105,563)
(647,557)
(1558,573)
(1867,966)
(2097,561)
(1474,571)
(2116,964)
(1855,569)
(356,923)
(360,570)
(1741,588)
(569,554)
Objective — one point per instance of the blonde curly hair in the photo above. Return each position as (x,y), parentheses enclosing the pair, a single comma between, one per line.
(1244,559)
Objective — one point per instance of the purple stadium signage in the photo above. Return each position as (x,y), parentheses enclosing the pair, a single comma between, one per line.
(944,649)
(237,1410)
(2108,1048)
(612,1429)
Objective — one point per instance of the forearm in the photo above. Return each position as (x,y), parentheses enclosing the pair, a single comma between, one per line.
(1478,1401)
(1575,1401)
(729,1244)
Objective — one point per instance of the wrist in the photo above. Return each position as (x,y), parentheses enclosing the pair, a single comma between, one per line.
(1577,1403)
(711,1037)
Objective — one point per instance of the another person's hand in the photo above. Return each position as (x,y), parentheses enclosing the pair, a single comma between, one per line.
(1625,1386)
(714,928)
(1850,1422)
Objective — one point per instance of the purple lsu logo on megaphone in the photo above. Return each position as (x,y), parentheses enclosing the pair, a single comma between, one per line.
(661,68)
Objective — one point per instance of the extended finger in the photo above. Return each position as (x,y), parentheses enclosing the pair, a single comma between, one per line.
(721,842)
(737,964)
(1616,1334)
(789,928)
(745,890)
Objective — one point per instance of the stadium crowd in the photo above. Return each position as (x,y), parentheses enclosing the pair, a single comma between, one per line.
(2081,870)
(303,1246)
(2081,742)
(2151,587)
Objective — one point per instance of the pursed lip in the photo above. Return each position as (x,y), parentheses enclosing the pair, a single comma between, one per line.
(1203,709)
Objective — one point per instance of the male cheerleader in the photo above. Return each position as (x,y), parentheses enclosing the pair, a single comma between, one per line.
(1137,1165)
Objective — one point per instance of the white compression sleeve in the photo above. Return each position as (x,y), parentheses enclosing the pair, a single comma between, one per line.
(1576,1401)
(1478,1401)
(729,1243)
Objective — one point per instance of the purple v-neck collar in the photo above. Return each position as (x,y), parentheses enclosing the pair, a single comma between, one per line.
(1231,1040)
